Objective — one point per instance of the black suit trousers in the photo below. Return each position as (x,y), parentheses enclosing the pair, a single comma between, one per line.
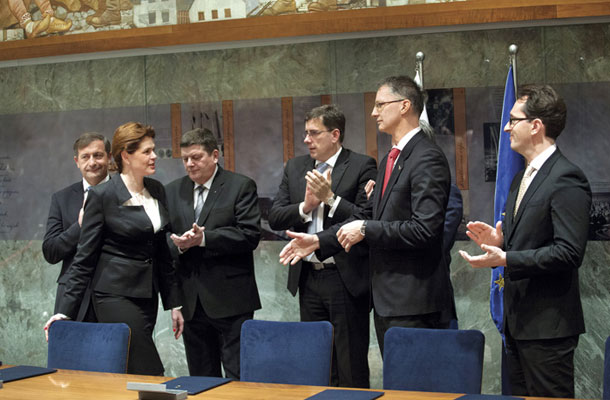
(324,297)
(542,367)
(208,342)
(140,314)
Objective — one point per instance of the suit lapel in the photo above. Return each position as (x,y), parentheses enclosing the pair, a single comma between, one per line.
(398,169)
(76,199)
(154,191)
(123,195)
(186,196)
(214,193)
(509,207)
(308,165)
(538,180)
(339,169)
(121,190)
(379,186)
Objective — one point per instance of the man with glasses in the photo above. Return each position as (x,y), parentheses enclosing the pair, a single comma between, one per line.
(318,190)
(542,244)
(403,224)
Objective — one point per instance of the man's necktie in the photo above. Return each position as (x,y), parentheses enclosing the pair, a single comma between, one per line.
(315,226)
(388,167)
(523,187)
(199,202)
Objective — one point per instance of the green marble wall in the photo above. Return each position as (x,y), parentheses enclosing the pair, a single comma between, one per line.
(566,54)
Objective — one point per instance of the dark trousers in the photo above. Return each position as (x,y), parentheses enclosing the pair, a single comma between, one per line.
(323,297)
(208,342)
(434,320)
(541,368)
(140,315)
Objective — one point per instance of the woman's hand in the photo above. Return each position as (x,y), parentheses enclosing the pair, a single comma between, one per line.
(177,322)
(56,317)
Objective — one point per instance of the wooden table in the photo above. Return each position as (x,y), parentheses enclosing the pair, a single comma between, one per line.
(77,385)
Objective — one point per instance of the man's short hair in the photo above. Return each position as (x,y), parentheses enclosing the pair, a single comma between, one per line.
(406,88)
(87,138)
(202,137)
(543,102)
(332,118)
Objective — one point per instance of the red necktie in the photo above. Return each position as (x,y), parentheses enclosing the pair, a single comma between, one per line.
(388,167)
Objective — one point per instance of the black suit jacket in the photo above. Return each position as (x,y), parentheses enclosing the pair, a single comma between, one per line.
(349,176)
(405,233)
(221,274)
(545,245)
(61,237)
(118,252)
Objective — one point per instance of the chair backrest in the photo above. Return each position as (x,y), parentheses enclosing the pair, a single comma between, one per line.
(606,394)
(433,360)
(89,346)
(296,353)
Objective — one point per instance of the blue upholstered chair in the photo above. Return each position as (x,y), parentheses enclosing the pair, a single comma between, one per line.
(88,346)
(606,395)
(296,353)
(433,360)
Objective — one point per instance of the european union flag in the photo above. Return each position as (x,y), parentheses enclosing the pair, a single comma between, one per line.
(509,163)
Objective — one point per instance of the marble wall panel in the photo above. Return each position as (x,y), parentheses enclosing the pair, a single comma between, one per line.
(252,72)
(117,82)
(456,59)
(577,53)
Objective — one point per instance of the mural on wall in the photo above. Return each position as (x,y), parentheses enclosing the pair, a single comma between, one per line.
(23,19)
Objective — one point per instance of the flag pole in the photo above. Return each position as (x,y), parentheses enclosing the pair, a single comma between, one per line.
(512,50)
(419,66)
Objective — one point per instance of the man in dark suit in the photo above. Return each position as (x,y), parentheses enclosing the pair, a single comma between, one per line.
(542,244)
(334,289)
(91,155)
(216,215)
(404,228)
(403,223)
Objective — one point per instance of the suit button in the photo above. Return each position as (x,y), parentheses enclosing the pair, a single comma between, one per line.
(150,243)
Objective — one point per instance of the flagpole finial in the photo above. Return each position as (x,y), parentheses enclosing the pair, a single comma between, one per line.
(512,49)
(420,56)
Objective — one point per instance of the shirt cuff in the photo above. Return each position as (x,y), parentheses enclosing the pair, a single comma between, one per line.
(202,244)
(305,217)
(331,212)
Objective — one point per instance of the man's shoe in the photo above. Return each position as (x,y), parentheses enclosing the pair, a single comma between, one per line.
(281,7)
(36,28)
(322,5)
(107,18)
(58,25)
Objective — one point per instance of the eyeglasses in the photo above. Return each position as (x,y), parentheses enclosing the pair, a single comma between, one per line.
(312,133)
(380,104)
(514,121)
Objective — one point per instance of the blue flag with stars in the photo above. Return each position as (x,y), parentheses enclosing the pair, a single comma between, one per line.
(509,163)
